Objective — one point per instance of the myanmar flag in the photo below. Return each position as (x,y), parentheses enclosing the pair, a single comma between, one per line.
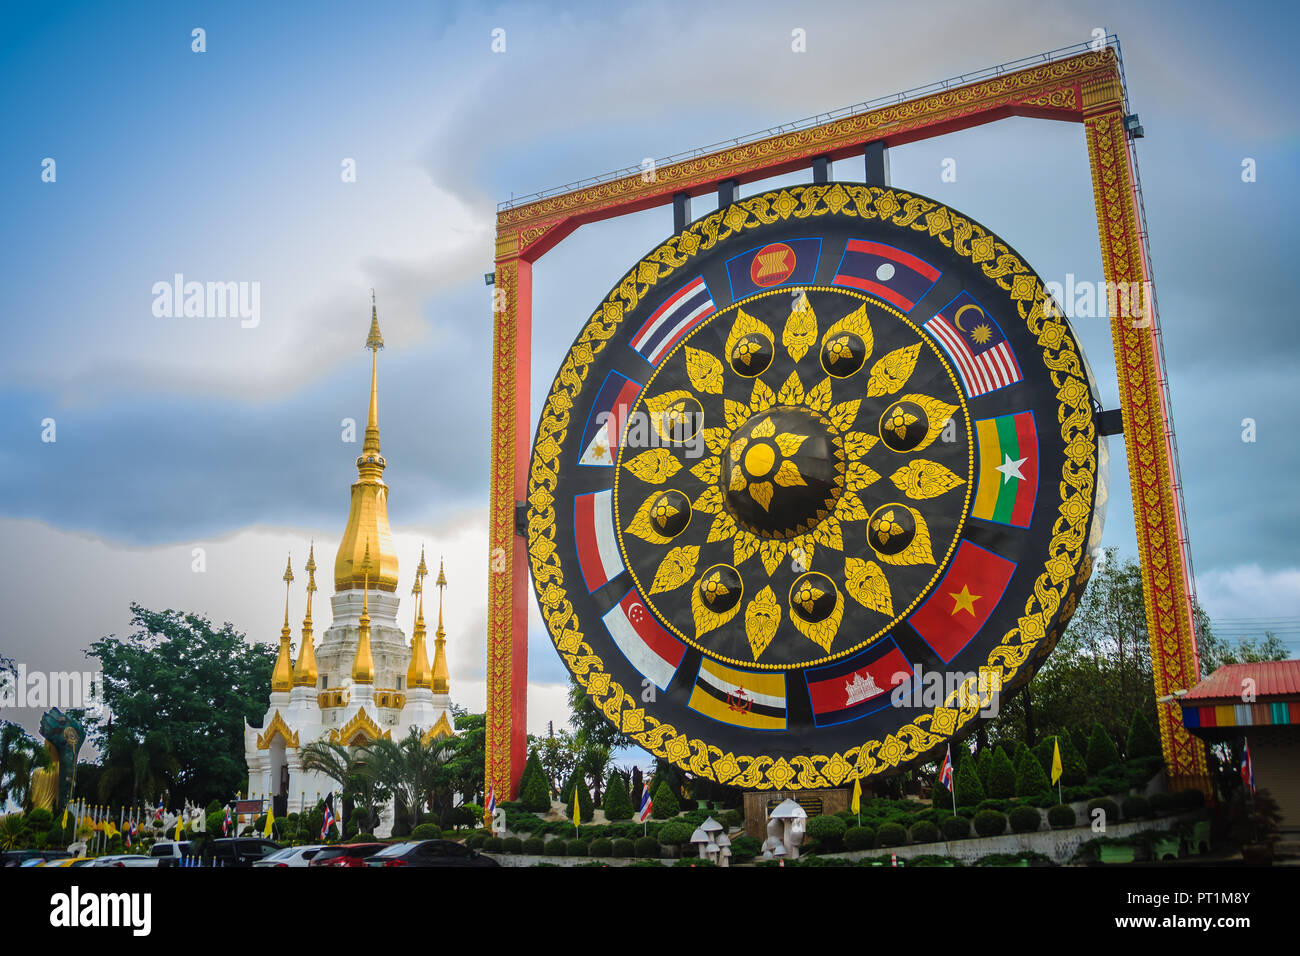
(962,601)
(742,698)
(1008,469)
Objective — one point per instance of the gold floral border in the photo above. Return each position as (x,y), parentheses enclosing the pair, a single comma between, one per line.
(1018,646)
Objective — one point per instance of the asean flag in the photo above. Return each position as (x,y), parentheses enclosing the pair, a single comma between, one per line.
(895,276)
(649,648)
(593,532)
(777,263)
(963,600)
(603,432)
(858,685)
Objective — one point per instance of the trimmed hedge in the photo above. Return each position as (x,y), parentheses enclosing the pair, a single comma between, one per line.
(970,790)
(1143,741)
(745,848)
(1002,776)
(577,786)
(475,841)
(622,847)
(675,834)
(1061,815)
(534,788)
(1108,806)
(427,831)
(646,846)
(601,847)
(666,805)
(1135,807)
(617,806)
(859,838)
(990,822)
(493,844)
(1030,779)
(576,848)
(891,834)
(534,846)
(512,845)
(955,828)
(554,847)
(1101,750)
(924,832)
(1163,802)
(1025,819)
(828,831)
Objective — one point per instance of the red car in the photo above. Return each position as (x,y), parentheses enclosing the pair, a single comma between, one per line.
(346,854)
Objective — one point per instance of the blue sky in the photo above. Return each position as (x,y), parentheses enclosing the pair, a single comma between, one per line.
(177,433)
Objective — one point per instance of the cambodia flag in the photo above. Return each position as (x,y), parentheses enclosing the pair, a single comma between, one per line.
(593,532)
(890,274)
(963,600)
(604,429)
(1008,469)
(858,685)
(777,263)
(649,648)
(684,309)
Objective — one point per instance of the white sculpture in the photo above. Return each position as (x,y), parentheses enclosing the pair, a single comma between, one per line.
(711,838)
(785,830)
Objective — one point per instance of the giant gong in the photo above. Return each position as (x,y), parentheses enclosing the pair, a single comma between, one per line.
(816,485)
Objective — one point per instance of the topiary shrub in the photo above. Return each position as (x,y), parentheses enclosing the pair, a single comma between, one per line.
(732,819)
(744,849)
(646,846)
(365,838)
(1030,779)
(624,847)
(924,832)
(1025,819)
(1002,776)
(427,831)
(990,823)
(983,760)
(475,841)
(675,834)
(512,845)
(1142,738)
(970,790)
(828,831)
(891,834)
(601,846)
(955,828)
(1162,802)
(577,848)
(534,846)
(1101,750)
(1136,807)
(1107,806)
(1061,816)
(534,788)
(493,844)
(577,786)
(666,805)
(859,838)
(617,805)
(555,847)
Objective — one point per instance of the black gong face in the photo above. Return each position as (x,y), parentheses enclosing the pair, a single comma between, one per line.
(815,480)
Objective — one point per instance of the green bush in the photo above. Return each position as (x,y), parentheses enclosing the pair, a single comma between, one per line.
(970,790)
(990,823)
(475,841)
(828,831)
(1143,741)
(1061,815)
(1002,776)
(666,806)
(859,838)
(601,847)
(534,788)
(1025,819)
(891,834)
(534,846)
(983,760)
(744,849)
(1108,806)
(214,821)
(1030,779)
(622,847)
(955,828)
(493,844)
(1136,806)
(646,846)
(1162,802)
(1002,806)
(675,834)
(512,845)
(617,806)
(577,848)
(732,819)
(365,838)
(924,832)
(1101,750)
(555,847)
(577,786)
(39,820)
(427,831)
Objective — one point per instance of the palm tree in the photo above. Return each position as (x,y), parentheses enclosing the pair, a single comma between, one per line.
(20,754)
(412,769)
(351,769)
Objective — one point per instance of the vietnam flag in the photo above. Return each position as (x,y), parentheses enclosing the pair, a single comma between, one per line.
(963,600)
(1008,470)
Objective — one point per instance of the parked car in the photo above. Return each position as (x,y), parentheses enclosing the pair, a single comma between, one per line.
(128,860)
(242,851)
(170,852)
(346,854)
(24,857)
(430,853)
(291,856)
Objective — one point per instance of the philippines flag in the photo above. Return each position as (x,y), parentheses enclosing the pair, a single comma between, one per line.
(649,648)
(975,343)
(1247,767)
(593,531)
(603,433)
(647,804)
(895,276)
(684,309)
(945,772)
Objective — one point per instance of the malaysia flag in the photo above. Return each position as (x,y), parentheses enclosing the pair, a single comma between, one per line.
(647,804)
(976,345)
(895,276)
(684,309)
(654,652)
(603,432)
(593,531)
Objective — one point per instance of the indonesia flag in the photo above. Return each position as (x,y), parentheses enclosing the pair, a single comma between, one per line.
(945,772)
(593,531)
(603,433)
(649,648)
(647,804)
(686,308)
(890,274)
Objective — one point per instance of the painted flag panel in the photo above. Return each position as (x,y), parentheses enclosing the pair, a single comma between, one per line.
(1008,470)
(604,430)
(686,308)
(649,648)
(974,341)
(593,531)
(778,263)
(858,685)
(895,276)
(963,600)
(742,698)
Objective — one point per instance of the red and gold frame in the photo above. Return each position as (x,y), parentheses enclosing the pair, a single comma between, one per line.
(1087,88)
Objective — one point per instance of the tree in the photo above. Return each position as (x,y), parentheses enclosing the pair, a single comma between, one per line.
(1142,740)
(134,771)
(463,769)
(350,768)
(197,684)
(534,793)
(558,757)
(666,805)
(576,788)
(19,756)
(618,806)
(970,792)
(1002,776)
(1101,750)
(1030,779)
(412,771)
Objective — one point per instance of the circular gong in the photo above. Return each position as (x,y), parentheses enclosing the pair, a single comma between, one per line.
(815,487)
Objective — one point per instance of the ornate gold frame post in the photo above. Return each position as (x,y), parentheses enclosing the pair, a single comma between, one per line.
(1083,87)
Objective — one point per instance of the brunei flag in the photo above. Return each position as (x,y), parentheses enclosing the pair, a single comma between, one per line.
(975,343)
(593,532)
(778,263)
(1008,471)
(890,274)
(649,648)
(858,685)
(963,600)
(743,698)
(686,308)
(604,429)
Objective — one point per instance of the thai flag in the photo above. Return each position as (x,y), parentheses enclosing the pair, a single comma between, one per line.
(976,345)
(686,308)
(225,823)
(603,433)
(890,274)
(328,822)
(130,833)
(491,799)
(647,803)
(157,814)
(945,772)
(1247,767)
(649,648)
(593,532)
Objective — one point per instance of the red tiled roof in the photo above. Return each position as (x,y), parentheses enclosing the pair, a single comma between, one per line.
(1272,679)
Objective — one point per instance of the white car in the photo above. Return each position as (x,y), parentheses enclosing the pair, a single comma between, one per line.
(290,856)
(125,859)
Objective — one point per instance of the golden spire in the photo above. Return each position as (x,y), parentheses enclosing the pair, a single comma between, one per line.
(304,672)
(282,676)
(418,673)
(363,664)
(441,679)
(368,515)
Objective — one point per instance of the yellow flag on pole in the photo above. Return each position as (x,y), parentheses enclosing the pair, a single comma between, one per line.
(179,818)
(270,819)
(64,822)
(1056,759)
(857,796)
(577,808)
